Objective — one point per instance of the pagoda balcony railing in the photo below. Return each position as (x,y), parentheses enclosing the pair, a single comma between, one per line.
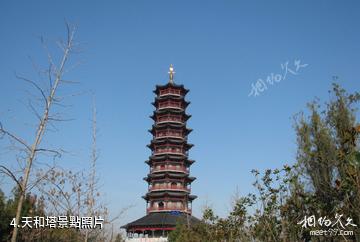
(145,238)
(173,168)
(169,187)
(170,151)
(170,118)
(169,135)
(168,208)
(170,104)
(170,92)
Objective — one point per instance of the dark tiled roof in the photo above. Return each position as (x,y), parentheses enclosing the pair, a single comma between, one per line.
(173,111)
(169,125)
(161,219)
(170,174)
(169,84)
(166,193)
(181,98)
(170,111)
(160,194)
(166,141)
(168,157)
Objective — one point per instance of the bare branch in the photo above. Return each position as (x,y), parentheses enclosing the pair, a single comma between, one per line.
(50,59)
(14,137)
(60,119)
(34,110)
(7,172)
(35,66)
(122,211)
(35,85)
(40,179)
(55,152)
(49,72)
(69,34)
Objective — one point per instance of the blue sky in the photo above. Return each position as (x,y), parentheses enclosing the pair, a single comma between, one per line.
(218,48)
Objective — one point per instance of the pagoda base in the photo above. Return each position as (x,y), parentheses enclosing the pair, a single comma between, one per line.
(155,226)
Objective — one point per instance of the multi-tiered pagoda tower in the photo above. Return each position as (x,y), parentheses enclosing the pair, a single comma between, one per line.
(169,182)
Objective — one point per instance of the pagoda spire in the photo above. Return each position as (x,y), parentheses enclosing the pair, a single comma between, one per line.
(171,73)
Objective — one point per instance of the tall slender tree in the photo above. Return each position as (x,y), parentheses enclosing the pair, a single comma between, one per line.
(55,73)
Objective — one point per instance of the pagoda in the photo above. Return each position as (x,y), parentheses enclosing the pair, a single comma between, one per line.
(168,199)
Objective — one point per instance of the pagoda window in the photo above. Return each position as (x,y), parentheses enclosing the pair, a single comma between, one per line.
(179,204)
(174,149)
(161,205)
(170,104)
(174,133)
(167,118)
(169,204)
(169,133)
(168,91)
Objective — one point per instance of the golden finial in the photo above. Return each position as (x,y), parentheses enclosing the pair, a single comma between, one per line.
(171,73)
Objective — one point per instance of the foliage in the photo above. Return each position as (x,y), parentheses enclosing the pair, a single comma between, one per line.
(119,238)
(32,206)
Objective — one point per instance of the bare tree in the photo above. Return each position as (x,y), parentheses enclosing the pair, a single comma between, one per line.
(78,193)
(49,98)
(92,182)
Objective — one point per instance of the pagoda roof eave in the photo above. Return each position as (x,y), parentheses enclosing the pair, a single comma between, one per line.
(170,157)
(171,125)
(168,174)
(177,111)
(156,194)
(189,179)
(173,97)
(192,197)
(160,220)
(179,155)
(164,140)
(160,159)
(169,84)
(187,103)
(172,111)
